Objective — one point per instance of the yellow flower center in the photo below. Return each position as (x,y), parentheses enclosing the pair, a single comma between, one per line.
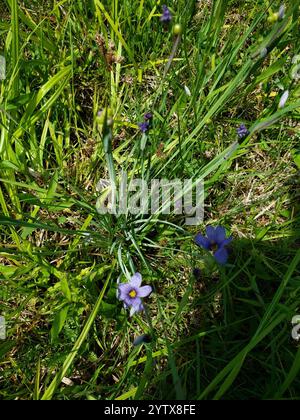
(132,293)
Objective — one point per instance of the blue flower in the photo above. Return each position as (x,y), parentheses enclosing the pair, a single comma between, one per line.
(166,16)
(144,126)
(132,292)
(242,131)
(215,241)
(148,116)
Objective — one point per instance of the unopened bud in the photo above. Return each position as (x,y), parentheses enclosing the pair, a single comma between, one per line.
(273,17)
(281,12)
(177,29)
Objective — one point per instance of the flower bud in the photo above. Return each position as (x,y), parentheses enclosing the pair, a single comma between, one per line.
(283,99)
(177,29)
(273,17)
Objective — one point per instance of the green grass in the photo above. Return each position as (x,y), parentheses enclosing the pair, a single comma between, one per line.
(225,335)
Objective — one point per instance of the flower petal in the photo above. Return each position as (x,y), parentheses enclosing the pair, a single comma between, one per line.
(220,234)
(144,291)
(128,301)
(132,311)
(221,256)
(211,233)
(123,290)
(136,280)
(202,241)
(226,241)
(137,306)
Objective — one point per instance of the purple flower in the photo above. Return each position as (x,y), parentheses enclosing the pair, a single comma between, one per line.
(166,16)
(144,126)
(242,131)
(216,242)
(132,292)
(148,116)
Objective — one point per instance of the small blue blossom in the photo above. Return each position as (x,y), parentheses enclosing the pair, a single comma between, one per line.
(166,16)
(242,131)
(132,292)
(144,126)
(215,241)
(148,116)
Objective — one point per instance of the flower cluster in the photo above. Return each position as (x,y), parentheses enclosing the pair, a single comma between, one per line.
(145,125)
(131,293)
